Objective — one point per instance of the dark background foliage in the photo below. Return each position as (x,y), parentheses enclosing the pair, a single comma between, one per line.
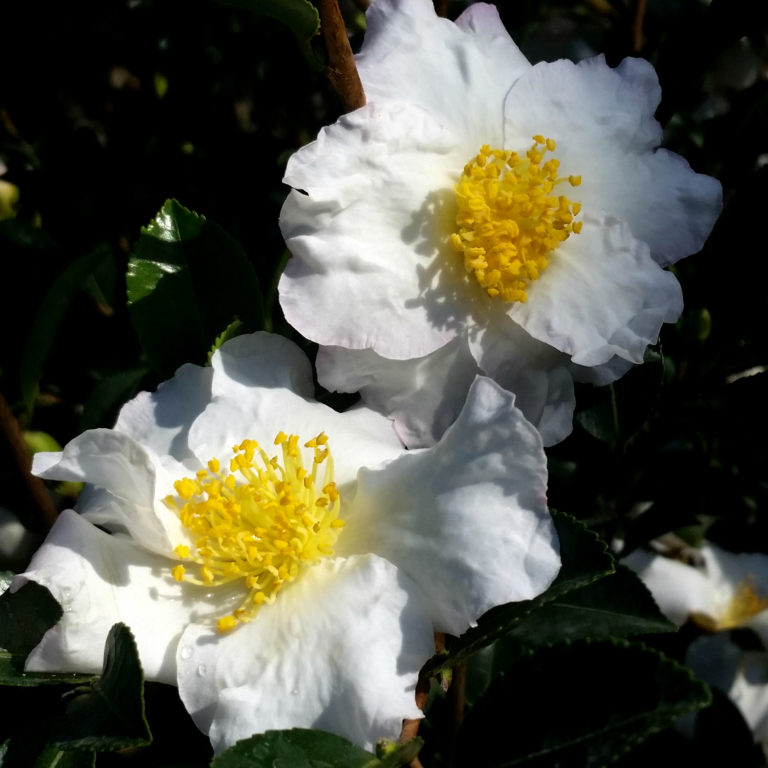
(109,108)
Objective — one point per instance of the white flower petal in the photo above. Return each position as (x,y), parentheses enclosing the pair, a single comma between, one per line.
(457,72)
(536,372)
(340,649)
(126,470)
(160,420)
(602,120)
(99,580)
(601,296)
(423,396)
(260,360)
(368,235)
(679,589)
(467,519)
(357,437)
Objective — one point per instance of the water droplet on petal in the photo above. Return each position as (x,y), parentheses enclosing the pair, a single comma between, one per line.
(295,691)
(186,653)
(201,670)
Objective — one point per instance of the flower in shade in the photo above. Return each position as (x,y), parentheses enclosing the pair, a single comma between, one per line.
(282,563)
(719,590)
(480,214)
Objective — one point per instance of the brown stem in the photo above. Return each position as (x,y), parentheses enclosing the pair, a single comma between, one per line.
(42,511)
(342,71)
(441,8)
(637,26)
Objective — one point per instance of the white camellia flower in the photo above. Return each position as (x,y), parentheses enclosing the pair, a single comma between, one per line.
(282,563)
(720,591)
(481,214)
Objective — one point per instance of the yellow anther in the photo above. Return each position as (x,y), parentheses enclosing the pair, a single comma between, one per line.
(260,524)
(508,220)
(226,623)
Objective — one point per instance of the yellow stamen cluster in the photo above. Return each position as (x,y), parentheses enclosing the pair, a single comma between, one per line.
(744,604)
(262,522)
(508,218)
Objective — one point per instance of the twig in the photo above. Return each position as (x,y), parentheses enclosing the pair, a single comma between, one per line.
(342,71)
(637,25)
(42,511)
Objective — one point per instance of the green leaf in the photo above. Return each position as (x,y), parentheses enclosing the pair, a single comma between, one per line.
(619,605)
(52,757)
(11,674)
(298,15)
(232,330)
(25,616)
(187,281)
(109,715)
(304,748)
(107,396)
(619,410)
(576,704)
(49,316)
(585,558)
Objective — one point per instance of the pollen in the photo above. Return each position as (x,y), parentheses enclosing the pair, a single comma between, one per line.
(260,524)
(510,219)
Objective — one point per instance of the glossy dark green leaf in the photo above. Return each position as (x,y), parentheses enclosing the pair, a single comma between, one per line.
(109,715)
(25,616)
(304,748)
(619,605)
(576,704)
(188,281)
(11,673)
(42,334)
(620,409)
(298,15)
(585,559)
(110,392)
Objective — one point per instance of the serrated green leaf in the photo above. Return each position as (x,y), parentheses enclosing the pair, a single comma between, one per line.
(296,748)
(11,674)
(187,280)
(585,558)
(25,616)
(619,605)
(232,330)
(576,704)
(52,310)
(110,714)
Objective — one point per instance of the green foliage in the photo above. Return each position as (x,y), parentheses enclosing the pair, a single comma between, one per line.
(302,748)
(25,616)
(108,715)
(188,281)
(52,310)
(298,15)
(576,704)
(584,560)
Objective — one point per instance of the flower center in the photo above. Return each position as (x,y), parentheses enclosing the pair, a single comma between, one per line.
(509,220)
(744,604)
(262,522)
